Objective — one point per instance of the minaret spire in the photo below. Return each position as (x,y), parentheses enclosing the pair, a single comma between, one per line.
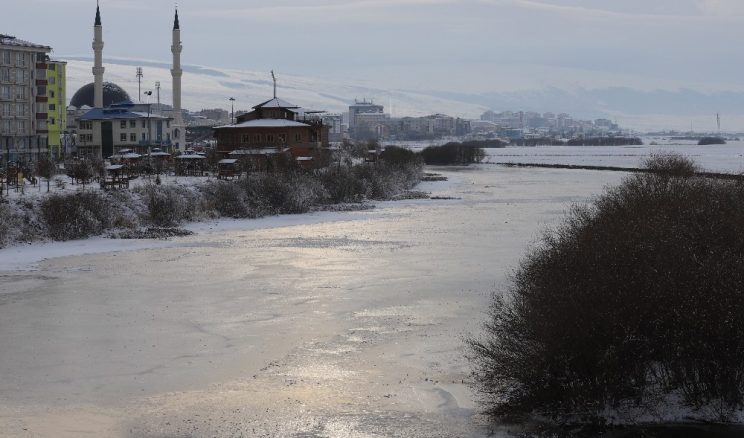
(98,60)
(98,15)
(176,73)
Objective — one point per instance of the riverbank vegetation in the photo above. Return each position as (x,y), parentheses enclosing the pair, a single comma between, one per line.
(587,141)
(630,309)
(705,141)
(90,212)
(453,153)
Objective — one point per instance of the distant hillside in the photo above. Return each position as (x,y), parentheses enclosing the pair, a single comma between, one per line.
(206,87)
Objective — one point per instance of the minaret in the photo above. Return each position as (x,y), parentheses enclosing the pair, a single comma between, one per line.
(98,65)
(176,72)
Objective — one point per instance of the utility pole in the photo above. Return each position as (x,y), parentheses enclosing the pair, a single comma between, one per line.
(139,83)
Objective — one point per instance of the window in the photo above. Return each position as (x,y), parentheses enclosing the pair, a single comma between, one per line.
(19,76)
(52,107)
(52,80)
(4,92)
(20,109)
(257,138)
(133,137)
(5,74)
(21,92)
(144,136)
(6,57)
(86,125)
(51,93)
(167,124)
(123,124)
(144,123)
(282,138)
(123,137)
(41,124)
(269,138)
(22,126)
(132,123)
(52,121)
(41,107)
(40,90)
(244,138)
(298,137)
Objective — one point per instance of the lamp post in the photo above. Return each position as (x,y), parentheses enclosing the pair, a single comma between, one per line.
(232,110)
(149,130)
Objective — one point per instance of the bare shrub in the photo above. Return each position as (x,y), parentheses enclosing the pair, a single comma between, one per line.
(635,296)
(168,206)
(75,216)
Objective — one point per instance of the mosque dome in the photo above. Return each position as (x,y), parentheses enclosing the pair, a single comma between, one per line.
(112,93)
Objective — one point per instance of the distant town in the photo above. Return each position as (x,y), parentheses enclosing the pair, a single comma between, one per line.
(102,120)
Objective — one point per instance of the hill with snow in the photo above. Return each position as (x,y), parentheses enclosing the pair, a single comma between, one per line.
(205,87)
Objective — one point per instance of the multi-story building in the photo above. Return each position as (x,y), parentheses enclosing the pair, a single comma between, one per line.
(274,128)
(335,126)
(360,108)
(56,111)
(104,131)
(23,99)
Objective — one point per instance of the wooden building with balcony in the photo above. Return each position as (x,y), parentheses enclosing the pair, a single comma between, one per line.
(275,128)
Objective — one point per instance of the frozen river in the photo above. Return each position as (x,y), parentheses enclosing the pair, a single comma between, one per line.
(327,325)
(727,158)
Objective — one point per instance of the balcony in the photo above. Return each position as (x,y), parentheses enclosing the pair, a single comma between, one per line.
(42,82)
(41,99)
(41,66)
(42,116)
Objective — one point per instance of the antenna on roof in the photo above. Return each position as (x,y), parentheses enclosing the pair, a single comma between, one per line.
(139,82)
(273,76)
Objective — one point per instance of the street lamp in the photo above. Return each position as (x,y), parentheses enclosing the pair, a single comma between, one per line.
(149,130)
(232,110)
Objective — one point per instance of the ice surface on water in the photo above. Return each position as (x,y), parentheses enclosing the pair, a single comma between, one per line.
(715,158)
(342,325)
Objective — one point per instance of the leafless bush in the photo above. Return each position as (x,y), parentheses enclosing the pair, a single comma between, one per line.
(75,216)
(634,296)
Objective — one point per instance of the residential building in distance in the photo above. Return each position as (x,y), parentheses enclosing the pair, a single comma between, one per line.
(23,98)
(56,110)
(363,107)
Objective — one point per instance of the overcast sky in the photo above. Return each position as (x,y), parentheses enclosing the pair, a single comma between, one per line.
(452,45)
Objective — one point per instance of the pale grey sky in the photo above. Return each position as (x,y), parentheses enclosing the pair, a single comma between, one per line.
(453,45)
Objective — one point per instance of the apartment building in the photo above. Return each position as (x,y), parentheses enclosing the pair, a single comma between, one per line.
(56,111)
(23,99)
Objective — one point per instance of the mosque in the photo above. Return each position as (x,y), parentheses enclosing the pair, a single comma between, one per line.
(107,121)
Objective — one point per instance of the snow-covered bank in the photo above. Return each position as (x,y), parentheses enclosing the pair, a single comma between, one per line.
(89,212)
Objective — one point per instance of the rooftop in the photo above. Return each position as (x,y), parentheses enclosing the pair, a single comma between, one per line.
(8,40)
(275,103)
(266,123)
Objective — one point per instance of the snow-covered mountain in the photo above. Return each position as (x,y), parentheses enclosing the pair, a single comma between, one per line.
(205,87)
